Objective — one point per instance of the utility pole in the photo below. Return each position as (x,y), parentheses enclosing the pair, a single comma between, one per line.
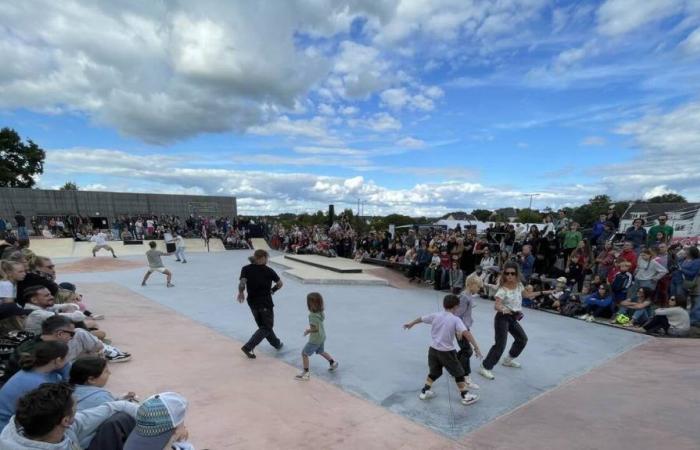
(531,196)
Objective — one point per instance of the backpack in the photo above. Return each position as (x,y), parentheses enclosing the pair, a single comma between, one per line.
(572,308)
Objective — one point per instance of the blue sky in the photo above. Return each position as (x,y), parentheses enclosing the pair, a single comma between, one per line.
(418,107)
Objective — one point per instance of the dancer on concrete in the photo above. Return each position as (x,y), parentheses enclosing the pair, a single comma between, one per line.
(155,264)
(442,353)
(257,278)
(100,240)
(467,301)
(180,248)
(317,336)
(509,305)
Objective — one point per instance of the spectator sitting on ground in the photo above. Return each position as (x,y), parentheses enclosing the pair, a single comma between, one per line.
(42,272)
(89,375)
(46,419)
(160,424)
(671,321)
(39,300)
(639,306)
(69,294)
(44,365)
(598,304)
(11,274)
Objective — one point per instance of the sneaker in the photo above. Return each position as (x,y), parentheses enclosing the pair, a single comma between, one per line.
(143,284)
(117,357)
(114,256)
(304,376)
(333,366)
(484,372)
(427,395)
(471,384)
(279,347)
(510,362)
(178,260)
(469,399)
(583,317)
(184,261)
(170,285)
(248,353)
(97,317)
(590,318)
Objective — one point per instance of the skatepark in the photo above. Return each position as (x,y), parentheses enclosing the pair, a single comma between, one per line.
(582,385)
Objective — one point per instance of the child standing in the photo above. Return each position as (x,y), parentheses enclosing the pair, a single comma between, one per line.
(155,264)
(467,302)
(442,353)
(180,248)
(317,336)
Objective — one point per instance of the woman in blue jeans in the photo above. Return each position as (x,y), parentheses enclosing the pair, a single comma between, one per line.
(639,306)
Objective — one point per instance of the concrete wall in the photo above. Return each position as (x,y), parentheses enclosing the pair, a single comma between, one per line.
(39,202)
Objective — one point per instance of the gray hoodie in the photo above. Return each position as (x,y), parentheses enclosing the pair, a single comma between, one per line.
(84,425)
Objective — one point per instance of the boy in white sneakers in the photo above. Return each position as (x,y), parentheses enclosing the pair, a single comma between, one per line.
(446,326)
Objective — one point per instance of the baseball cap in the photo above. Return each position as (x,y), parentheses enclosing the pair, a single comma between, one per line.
(562,280)
(67,286)
(156,420)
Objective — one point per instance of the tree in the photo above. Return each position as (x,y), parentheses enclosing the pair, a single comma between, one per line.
(527,215)
(19,162)
(69,186)
(668,198)
(482,215)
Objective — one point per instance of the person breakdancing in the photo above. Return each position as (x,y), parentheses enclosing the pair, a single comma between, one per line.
(257,279)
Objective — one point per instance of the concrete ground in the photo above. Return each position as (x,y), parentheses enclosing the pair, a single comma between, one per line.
(581,385)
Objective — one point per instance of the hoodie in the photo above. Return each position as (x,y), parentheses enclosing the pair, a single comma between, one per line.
(87,396)
(85,424)
(39,314)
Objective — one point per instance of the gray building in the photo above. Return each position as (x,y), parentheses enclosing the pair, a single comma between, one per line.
(48,203)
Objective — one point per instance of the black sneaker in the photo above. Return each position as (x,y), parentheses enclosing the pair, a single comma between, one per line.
(248,353)
(279,347)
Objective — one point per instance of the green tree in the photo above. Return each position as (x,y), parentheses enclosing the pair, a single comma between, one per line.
(69,186)
(482,215)
(19,162)
(668,198)
(587,214)
(527,215)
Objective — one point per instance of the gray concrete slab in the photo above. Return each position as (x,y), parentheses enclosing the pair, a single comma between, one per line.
(379,361)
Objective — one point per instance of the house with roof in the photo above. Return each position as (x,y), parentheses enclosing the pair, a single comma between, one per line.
(683,217)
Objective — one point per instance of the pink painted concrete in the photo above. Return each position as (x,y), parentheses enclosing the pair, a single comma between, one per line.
(235,402)
(648,398)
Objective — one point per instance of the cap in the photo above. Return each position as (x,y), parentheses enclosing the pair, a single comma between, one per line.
(562,280)
(67,286)
(156,420)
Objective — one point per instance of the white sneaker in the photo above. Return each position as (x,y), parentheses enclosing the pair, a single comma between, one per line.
(426,395)
(510,362)
(590,318)
(304,376)
(333,366)
(583,317)
(471,384)
(469,399)
(484,372)
(97,317)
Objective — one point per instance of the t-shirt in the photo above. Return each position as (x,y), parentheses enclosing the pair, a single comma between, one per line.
(259,280)
(8,290)
(464,310)
(316,319)
(445,327)
(667,231)
(154,261)
(511,298)
(99,239)
(21,383)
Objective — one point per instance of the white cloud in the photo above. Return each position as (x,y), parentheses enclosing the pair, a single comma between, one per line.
(594,141)
(349,110)
(359,70)
(691,44)
(409,142)
(398,98)
(616,17)
(378,122)
(326,109)
(657,191)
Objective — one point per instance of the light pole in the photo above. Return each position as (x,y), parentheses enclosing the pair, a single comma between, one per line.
(531,196)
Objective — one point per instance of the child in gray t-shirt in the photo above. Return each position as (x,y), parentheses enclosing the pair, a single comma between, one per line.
(155,264)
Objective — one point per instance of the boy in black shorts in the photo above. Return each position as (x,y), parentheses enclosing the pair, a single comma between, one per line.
(443,353)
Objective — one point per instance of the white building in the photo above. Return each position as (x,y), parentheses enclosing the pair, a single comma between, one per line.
(683,217)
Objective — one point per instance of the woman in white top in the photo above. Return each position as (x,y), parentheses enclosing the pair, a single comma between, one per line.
(509,301)
(11,273)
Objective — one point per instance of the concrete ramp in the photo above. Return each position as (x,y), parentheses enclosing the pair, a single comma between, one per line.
(260,244)
(67,248)
(55,248)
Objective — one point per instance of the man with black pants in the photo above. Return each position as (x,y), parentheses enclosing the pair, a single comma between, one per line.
(257,278)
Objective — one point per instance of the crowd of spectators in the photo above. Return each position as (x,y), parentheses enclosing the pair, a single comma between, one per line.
(571,269)
(54,365)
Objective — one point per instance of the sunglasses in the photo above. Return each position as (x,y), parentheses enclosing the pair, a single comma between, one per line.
(509,273)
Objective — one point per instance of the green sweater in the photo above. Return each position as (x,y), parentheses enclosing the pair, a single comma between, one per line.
(572,238)
(667,230)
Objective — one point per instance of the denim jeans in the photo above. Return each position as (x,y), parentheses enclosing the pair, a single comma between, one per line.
(695,310)
(22,233)
(180,254)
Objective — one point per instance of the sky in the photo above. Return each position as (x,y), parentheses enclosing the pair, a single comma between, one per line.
(418,107)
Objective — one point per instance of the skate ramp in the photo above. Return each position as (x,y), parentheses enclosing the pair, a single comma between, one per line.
(53,248)
(260,244)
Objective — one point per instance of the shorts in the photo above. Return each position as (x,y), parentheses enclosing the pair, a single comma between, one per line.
(310,349)
(157,269)
(101,247)
(437,360)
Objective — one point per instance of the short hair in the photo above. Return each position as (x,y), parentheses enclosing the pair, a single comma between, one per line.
(625,263)
(450,301)
(260,254)
(314,301)
(31,291)
(152,244)
(693,252)
(41,410)
(474,280)
(55,323)
(43,353)
(86,367)
(648,293)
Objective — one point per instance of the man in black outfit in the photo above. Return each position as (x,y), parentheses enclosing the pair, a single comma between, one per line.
(258,278)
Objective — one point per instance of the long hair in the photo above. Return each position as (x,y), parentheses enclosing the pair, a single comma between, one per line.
(314,301)
(506,266)
(6,267)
